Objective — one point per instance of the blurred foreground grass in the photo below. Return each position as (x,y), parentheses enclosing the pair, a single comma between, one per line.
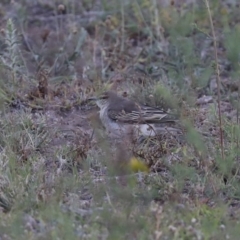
(55,178)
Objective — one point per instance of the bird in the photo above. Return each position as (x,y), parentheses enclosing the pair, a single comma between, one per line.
(121,116)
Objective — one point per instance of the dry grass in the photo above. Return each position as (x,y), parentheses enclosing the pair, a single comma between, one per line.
(60,177)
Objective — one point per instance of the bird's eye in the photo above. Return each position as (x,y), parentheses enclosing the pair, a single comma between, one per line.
(104,96)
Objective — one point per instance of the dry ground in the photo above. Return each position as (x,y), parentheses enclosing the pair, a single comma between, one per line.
(60,178)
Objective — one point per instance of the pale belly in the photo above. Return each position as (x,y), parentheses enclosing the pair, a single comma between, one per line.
(119,129)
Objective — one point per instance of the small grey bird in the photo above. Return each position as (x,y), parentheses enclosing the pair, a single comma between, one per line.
(121,116)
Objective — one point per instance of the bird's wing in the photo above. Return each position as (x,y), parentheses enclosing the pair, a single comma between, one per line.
(141,115)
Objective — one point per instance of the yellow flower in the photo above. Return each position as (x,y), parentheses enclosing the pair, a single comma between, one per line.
(138,166)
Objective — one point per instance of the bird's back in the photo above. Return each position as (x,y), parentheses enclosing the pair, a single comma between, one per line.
(127,111)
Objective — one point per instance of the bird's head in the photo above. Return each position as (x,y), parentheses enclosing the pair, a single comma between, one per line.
(104,99)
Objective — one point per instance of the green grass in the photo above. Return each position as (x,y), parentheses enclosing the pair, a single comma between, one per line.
(60,179)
